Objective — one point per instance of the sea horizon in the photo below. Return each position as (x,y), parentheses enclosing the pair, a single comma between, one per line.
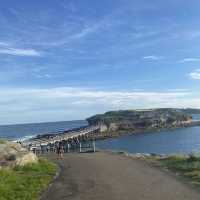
(30,130)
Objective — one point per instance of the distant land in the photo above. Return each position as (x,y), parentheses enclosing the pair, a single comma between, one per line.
(116,123)
(190,111)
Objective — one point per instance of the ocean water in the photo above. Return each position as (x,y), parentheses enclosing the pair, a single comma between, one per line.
(22,131)
(196,117)
(184,140)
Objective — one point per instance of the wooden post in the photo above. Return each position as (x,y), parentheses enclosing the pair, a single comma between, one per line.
(80,147)
(67,147)
(94,147)
(40,148)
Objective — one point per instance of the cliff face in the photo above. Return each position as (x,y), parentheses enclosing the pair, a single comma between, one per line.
(191,111)
(133,120)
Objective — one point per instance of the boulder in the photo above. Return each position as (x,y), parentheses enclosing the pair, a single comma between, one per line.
(27,159)
(12,154)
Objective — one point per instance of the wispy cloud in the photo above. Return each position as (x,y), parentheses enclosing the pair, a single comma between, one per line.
(66,103)
(3,43)
(178,90)
(85,31)
(20,52)
(190,60)
(43,76)
(192,34)
(195,74)
(152,58)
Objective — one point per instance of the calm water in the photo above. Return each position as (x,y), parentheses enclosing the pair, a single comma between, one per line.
(30,130)
(184,140)
(176,141)
(196,117)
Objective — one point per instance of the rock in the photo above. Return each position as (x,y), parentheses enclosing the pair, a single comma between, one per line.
(11,157)
(12,154)
(103,128)
(113,127)
(27,159)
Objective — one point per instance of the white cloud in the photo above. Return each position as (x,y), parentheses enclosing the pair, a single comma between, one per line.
(85,32)
(4,44)
(178,90)
(195,74)
(190,60)
(43,75)
(20,52)
(65,103)
(152,58)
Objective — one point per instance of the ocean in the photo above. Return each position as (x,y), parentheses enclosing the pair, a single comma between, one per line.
(183,140)
(24,131)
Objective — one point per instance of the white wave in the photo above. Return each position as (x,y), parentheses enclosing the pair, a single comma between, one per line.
(25,138)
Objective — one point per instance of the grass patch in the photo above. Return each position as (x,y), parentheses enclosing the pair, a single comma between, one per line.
(2,141)
(187,166)
(26,183)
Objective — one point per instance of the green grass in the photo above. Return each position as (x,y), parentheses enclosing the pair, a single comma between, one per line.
(2,141)
(187,166)
(26,183)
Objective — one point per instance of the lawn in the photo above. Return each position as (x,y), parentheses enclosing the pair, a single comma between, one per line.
(26,183)
(187,166)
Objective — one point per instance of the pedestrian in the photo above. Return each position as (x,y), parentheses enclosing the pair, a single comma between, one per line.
(57,150)
(61,151)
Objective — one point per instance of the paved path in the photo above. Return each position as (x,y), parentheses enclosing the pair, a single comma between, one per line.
(106,176)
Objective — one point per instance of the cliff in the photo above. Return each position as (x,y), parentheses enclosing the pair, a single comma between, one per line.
(138,120)
(191,111)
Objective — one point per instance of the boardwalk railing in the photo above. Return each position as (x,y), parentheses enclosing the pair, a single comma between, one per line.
(73,140)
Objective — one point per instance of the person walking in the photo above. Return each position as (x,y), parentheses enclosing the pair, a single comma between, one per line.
(60,151)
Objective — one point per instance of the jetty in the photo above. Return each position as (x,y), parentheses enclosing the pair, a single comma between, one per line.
(110,124)
(72,140)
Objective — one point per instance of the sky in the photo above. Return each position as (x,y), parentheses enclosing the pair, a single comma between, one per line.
(70,59)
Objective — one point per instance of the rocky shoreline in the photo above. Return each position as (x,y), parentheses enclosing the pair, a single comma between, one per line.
(118,133)
(118,123)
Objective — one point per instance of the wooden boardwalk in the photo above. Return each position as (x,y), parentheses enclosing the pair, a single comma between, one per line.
(72,138)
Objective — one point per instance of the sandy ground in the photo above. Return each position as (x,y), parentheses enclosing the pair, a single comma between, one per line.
(107,176)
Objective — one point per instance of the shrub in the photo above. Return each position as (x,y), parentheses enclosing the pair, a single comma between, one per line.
(186,166)
(193,157)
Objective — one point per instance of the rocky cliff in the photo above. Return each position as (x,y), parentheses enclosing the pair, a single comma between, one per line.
(140,120)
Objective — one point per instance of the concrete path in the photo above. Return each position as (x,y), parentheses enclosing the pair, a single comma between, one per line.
(106,176)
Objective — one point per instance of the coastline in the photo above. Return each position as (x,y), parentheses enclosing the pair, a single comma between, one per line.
(119,133)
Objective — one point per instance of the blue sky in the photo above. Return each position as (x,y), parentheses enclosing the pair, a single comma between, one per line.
(69,59)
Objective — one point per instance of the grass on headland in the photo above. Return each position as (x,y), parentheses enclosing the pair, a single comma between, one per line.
(188,166)
(26,183)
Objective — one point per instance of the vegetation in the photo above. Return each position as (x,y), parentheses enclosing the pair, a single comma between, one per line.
(26,183)
(191,111)
(2,141)
(146,116)
(189,167)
